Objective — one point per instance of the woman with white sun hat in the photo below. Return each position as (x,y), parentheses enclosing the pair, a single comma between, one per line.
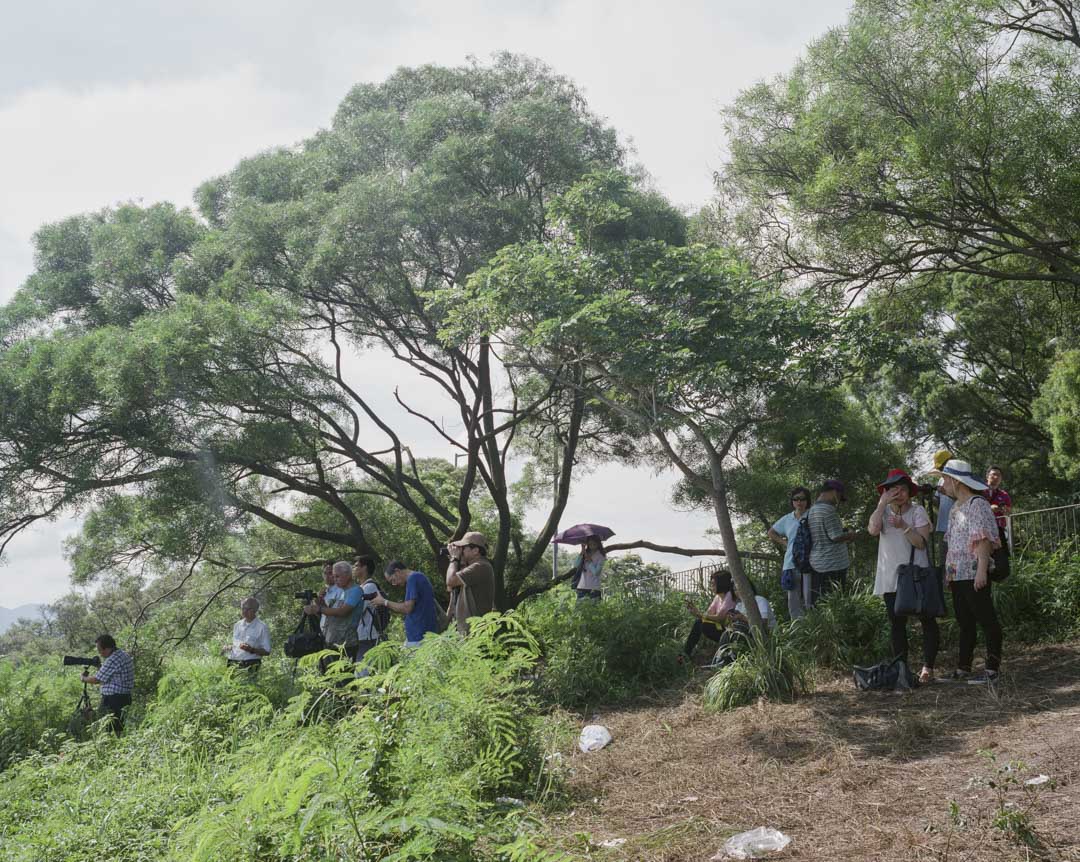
(971,537)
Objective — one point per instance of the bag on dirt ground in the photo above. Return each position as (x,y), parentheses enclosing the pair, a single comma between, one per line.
(888,675)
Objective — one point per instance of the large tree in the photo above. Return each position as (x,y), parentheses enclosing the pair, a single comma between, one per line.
(681,341)
(219,362)
(921,137)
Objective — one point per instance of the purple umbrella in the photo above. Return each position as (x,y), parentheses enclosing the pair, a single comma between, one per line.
(579,533)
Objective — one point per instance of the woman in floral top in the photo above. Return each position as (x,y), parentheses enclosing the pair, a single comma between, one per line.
(972,537)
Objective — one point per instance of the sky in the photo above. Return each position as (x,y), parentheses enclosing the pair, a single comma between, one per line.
(107,101)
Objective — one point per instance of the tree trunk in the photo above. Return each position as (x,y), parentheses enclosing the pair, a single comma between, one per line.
(731,549)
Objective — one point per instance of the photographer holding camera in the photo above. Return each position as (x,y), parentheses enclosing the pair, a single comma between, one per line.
(341,612)
(116,676)
(470,580)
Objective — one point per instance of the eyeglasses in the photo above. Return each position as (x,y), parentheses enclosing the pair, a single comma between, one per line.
(800,499)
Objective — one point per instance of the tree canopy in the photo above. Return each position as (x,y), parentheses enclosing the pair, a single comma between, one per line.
(208,360)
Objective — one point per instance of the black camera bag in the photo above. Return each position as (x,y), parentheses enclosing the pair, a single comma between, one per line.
(301,643)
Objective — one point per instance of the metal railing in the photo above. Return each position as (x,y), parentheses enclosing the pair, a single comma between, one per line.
(1045,530)
(758,568)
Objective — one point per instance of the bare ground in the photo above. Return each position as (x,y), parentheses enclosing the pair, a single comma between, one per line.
(846,775)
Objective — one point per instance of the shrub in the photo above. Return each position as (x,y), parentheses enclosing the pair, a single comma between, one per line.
(764,667)
(36,698)
(843,629)
(602,652)
(1040,601)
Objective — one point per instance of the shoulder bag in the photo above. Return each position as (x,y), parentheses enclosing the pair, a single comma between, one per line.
(918,590)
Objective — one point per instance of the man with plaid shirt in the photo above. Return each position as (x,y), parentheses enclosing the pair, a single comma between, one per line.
(116,676)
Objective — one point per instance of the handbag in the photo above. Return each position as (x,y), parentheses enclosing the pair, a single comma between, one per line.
(301,643)
(918,590)
(1000,570)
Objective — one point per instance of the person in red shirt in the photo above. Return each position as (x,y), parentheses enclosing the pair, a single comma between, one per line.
(1000,501)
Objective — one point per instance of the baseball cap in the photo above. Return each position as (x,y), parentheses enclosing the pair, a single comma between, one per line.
(835,485)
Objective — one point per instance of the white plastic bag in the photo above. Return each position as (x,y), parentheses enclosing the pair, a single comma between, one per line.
(753,844)
(593,738)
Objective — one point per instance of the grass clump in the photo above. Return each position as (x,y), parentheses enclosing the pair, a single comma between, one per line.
(843,629)
(764,667)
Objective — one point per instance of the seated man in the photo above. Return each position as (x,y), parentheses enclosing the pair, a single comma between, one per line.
(250,638)
(116,676)
(419,605)
(739,628)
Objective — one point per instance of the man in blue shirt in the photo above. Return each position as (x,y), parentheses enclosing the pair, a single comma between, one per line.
(342,614)
(419,605)
(116,676)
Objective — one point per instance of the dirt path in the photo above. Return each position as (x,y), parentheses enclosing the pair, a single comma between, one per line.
(845,775)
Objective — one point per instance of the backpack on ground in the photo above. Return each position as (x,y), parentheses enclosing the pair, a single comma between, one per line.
(800,546)
(888,675)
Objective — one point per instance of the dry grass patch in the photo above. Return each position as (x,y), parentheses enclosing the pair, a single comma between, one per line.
(846,775)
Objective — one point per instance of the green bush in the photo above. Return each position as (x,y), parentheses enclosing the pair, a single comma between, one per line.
(603,652)
(844,628)
(37,700)
(764,667)
(1040,600)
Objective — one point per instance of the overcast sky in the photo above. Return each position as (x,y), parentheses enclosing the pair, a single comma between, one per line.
(104,101)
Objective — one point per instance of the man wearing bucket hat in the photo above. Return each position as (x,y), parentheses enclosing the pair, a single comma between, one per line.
(829,559)
(903,531)
(971,538)
(470,580)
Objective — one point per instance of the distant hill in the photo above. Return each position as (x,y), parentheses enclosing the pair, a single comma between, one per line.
(8,616)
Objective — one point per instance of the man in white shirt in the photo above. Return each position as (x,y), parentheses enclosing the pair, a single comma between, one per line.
(250,637)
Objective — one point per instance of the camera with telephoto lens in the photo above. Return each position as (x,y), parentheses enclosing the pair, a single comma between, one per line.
(70,660)
(307,596)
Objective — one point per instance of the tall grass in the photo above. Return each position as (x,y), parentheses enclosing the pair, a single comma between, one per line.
(843,629)
(764,667)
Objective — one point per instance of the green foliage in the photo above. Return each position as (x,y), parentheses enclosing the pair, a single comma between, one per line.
(1040,600)
(764,667)
(37,699)
(406,764)
(843,629)
(603,652)
(1057,410)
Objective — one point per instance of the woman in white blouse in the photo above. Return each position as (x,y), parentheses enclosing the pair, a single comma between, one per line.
(901,526)
(591,564)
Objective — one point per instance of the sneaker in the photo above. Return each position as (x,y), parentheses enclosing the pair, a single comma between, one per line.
(958,675)
(987,677)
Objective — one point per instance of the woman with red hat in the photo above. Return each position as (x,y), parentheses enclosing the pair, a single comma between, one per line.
(902,526)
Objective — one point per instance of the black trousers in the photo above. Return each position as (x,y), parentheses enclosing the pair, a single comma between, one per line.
(822,583)
(593,595)
(250,664)
(702,627)
(931,635)
(976,608)
(113,704)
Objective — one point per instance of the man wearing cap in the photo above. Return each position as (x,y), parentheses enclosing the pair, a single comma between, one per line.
(419,605)
(470,580)
(972,537)
(1000,501)
(829,559)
